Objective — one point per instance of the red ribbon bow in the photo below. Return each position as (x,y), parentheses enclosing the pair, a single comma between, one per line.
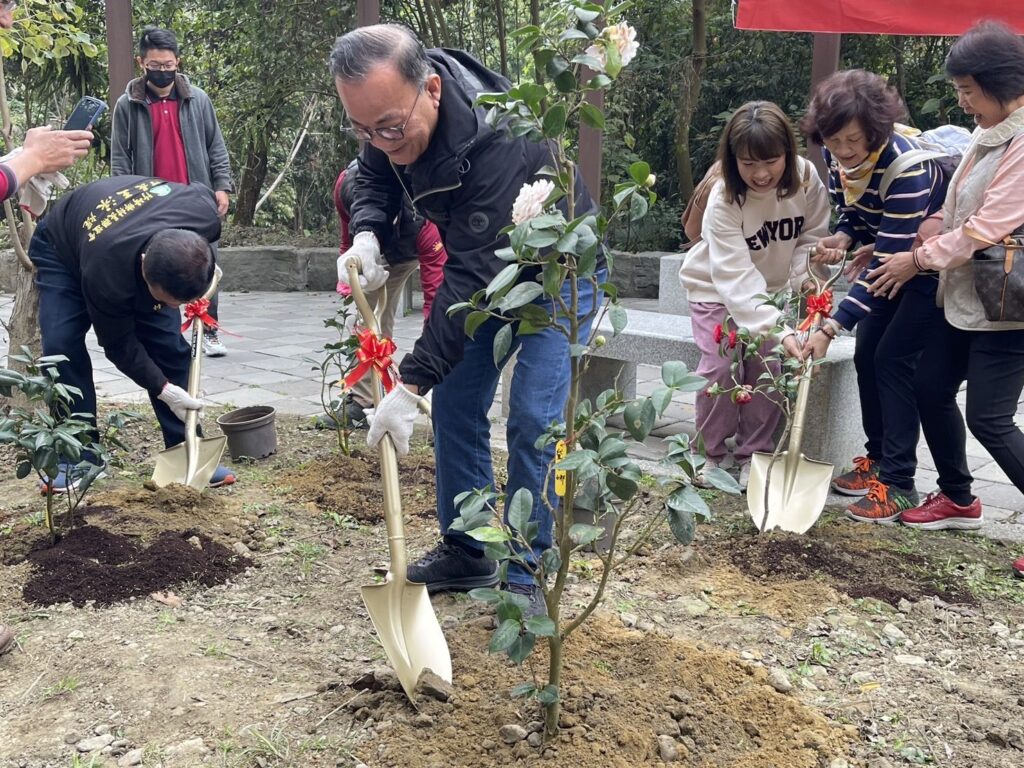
(819,307)
(199,310)
(374,353)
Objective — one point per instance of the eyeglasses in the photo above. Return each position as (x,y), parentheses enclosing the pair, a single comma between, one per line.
(161,67)
(391,133)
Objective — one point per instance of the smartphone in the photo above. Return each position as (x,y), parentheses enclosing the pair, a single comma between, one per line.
(86,113)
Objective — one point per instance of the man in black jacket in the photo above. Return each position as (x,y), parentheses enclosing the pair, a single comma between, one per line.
(122,254)
(424,138)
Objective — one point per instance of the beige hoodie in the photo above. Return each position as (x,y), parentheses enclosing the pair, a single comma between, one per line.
(755,248)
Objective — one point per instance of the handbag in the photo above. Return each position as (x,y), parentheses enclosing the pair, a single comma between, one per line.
(999,277)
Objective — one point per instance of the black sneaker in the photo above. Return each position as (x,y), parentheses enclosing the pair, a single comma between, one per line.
(449,568)
(351,415)
(536,605)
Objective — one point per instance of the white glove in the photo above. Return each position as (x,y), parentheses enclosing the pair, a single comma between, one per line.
(35,193)
(395,416)
(366,251)
(179,401)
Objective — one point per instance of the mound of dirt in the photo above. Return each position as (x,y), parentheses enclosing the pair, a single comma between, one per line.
(93,564)
(624,689)
(855,564)
(351,485)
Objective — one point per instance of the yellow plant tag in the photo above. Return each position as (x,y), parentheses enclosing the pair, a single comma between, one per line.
(560,452)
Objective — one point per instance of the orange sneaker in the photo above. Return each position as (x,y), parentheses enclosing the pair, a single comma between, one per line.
(882,504)
(856,481)
(938,512)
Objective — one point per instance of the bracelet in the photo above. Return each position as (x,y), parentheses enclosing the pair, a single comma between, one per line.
(913,257)
(831,336)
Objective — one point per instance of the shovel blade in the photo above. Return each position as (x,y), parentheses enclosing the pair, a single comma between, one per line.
(172,463)
(797,492)
(408,630)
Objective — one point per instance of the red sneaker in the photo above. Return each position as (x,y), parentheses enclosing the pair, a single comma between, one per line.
(1018,567)
(938,512)
(857,481)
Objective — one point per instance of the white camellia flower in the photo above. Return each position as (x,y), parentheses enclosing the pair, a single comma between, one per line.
(622,36)
(530,201)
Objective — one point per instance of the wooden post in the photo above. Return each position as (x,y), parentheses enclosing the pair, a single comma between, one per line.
(824,62)
(367,12)
(590,150)
(120,47)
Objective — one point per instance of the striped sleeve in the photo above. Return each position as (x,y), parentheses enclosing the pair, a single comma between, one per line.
(8,182)
(891,224)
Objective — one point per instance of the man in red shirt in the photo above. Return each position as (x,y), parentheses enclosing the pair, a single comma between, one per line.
(165,126)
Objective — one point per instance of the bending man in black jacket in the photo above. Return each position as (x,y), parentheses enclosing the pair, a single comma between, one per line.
(424,139)
(122,254)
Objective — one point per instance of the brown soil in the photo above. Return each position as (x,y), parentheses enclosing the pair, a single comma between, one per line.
(852,563)
(91,564)
(351,485)
(256,669)
(628,687)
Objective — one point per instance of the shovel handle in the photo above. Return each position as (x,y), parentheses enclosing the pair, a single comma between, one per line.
(388,456)
(194,376)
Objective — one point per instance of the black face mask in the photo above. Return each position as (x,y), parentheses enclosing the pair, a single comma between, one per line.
(160,78)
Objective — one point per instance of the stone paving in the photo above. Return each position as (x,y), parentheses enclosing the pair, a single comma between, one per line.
(280,335)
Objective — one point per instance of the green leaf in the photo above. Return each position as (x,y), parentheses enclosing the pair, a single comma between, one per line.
(488,533)
(639,171)
(522,647)
(541,238)
(554,275)
(503,279)
(930,106)
(622,487)
(554,121)
(523,689)
(638,207)
(486,595)
(474,320)
(582,534)
(639,417)
(519,509)
(585,15)
(502,344)
(682,523)
(662,399)
(576,460)
(521,294)
(618,317)
(503,637)
(548,695)
(542,626)
(591,115)
(566,82)
(550,559)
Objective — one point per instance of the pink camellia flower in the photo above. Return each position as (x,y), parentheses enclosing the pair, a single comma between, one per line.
(717,334)
(743,395)
(732,339)
(622,36)
(530,202)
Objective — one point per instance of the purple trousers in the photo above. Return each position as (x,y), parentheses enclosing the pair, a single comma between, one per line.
(753,424)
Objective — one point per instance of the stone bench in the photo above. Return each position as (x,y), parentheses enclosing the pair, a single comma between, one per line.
(832,431)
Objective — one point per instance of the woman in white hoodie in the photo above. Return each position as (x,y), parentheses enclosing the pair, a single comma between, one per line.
(762,216)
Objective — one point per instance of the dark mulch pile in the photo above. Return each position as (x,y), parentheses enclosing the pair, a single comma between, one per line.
(851,567)
(91,564)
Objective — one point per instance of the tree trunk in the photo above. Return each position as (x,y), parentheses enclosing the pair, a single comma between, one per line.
(254,173)
(499,13)
(23,329)
(692,78)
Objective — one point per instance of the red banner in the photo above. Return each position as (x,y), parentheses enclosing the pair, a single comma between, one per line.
(876,17)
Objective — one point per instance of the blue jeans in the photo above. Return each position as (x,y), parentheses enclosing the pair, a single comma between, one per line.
(462,431)
(64,321)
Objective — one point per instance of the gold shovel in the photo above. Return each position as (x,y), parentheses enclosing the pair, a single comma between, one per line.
(194,461)
(796,487)
(399,609)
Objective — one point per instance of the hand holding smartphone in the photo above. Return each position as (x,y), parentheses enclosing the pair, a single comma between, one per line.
(86,113)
